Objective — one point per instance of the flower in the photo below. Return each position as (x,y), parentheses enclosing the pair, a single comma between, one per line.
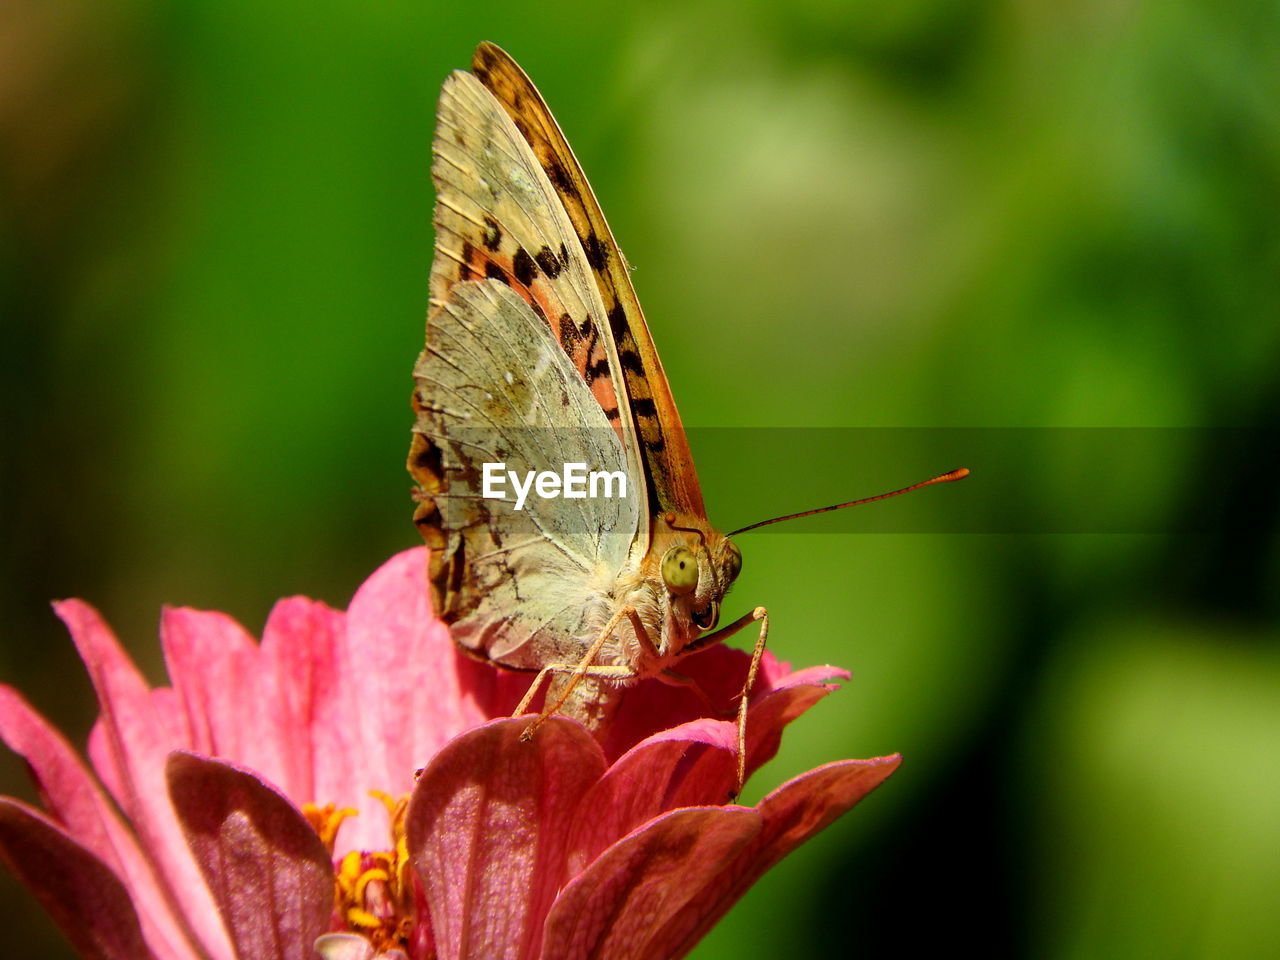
(351,786)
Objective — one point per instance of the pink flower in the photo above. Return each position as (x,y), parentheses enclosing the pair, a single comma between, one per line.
(344,787)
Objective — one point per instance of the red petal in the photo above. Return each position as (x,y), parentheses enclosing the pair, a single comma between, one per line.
(792,814)
(269,873)
(487,829)
(79,806)
(621,904)
(653,706)
(84,897)
(138,733)
(691,765)
(770,713)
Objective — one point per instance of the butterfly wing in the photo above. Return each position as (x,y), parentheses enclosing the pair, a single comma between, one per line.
(667,459)
(498,217)
(522,587)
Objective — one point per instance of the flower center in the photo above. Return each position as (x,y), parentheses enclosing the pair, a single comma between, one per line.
(373,892)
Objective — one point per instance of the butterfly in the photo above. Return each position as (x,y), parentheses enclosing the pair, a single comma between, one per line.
(537,354)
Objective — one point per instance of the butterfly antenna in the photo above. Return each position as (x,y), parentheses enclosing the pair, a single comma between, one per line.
(954,475)
(670,519)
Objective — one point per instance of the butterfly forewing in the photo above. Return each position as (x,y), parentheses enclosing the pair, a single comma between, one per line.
(668,462)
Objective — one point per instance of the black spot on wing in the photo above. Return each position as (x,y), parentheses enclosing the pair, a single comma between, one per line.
(631,361)
(592,336)
(559,176)
(597,253)
(611,413)
(598,369)
(549,262)
(486,57)
(644,407)
(427,458)
(492,234)
(618,322)
(495,272)
(465,270)
(524,267)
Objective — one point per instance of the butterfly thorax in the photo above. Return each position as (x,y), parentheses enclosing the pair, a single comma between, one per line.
(671,605)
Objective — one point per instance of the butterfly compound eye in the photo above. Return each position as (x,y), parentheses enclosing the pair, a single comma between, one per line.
(730,561)
(680,570)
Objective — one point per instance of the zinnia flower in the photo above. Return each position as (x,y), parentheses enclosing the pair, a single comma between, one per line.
(343,789)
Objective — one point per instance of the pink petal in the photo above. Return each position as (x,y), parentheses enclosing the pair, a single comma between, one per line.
(68,791)
(100,757)
(270,874)
(620,905)
(78,805)
(692,765)
(217,675)
(299,664)
(401,697)
(84,897)
(170,730)
(792,814)
(487,829)
(492,693)
(138,735)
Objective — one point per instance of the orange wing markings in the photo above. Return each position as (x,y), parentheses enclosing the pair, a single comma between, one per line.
(578,337)
(672,480)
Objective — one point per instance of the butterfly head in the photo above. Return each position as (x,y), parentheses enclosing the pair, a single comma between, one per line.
(697,568)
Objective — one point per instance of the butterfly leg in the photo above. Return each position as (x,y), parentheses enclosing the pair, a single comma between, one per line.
(576,672)
(758,615)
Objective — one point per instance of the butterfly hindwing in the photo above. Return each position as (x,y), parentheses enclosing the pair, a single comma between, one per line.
(493,384)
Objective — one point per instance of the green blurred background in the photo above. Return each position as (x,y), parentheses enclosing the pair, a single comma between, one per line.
(214,245)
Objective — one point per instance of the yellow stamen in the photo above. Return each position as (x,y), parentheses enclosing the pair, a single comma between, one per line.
(363,918)
(326,820)
(367,878)
(349,870)
(373,890)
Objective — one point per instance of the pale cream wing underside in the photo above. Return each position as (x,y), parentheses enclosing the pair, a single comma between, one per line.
(494,386)
(496,211)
